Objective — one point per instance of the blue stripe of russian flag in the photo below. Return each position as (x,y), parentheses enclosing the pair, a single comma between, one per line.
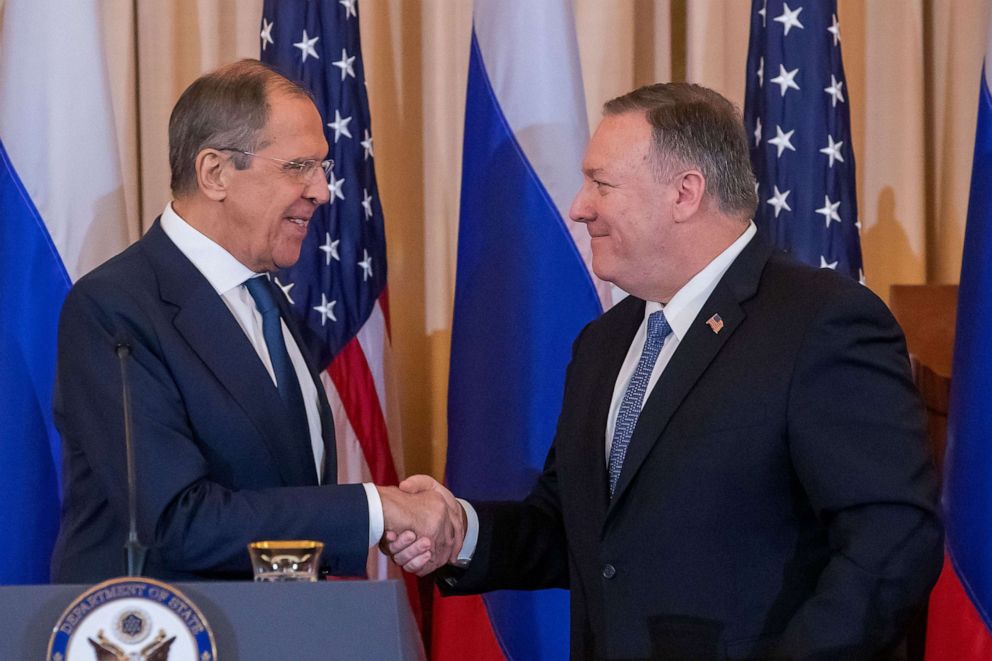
(33,284)
(523,293)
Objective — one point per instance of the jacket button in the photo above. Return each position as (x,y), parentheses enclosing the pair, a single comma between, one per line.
(609,571)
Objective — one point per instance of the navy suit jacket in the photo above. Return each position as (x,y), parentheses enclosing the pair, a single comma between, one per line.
(218,461)
(777,499)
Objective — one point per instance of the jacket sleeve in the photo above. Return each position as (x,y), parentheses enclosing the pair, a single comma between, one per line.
(857,439)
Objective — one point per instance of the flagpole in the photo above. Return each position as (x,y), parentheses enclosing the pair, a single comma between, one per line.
(136,54)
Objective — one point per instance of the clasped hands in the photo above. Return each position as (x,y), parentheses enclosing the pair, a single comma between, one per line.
(424,524)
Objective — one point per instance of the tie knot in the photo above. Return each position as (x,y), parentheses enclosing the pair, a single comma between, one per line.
(262,293)
(658,328)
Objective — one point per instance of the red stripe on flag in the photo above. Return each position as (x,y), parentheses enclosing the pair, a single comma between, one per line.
(353,380)
(462,630)
(384,305)
(955,630)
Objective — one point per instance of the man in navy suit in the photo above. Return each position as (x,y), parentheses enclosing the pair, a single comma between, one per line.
(233,436)
(739,468)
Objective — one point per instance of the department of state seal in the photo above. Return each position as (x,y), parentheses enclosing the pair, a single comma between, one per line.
(132,619)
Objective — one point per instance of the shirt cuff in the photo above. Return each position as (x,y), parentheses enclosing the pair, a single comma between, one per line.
(471,534)
(376,521)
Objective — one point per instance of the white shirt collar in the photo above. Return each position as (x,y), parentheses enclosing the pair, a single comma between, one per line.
(685,305)
(221,269)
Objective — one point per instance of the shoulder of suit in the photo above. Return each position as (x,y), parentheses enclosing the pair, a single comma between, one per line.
(128,273)
(789,282)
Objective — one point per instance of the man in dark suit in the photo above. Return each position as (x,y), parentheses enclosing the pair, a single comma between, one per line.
(739,468)
(233,436)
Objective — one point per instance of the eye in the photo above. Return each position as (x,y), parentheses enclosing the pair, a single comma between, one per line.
(295,167)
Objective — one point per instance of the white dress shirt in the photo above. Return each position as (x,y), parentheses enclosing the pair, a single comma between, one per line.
(680,312)
(227,276)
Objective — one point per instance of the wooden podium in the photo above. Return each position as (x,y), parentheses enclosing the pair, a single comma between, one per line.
(928,315)
(351,620)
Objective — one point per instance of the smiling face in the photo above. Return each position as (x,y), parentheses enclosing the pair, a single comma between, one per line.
(626,207)
(267,208)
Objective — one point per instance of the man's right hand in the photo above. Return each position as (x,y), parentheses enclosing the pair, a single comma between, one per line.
(425,526)
(414,552)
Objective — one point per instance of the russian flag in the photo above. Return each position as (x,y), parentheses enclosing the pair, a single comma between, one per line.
(61,213)
(524,290)
(960,614)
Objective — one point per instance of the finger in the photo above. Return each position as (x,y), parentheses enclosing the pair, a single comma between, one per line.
(420,565)
(394,540)
(403,555)
(416,483)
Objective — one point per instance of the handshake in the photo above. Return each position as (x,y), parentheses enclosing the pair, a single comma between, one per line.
(424,524)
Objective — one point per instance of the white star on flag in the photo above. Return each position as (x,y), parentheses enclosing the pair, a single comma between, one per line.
(763,12)
(782,140)
(829,210)
(835,90)
(349,8)
(786,79)
(367,144)
(835,30)
(326,309)
(346,64)
(789,19)
(334,187)
(757,132)
(761,72)
(832,150)
(339,126)
(366,265)
(824,264)
(367,203)
(306,46)
(285,289)
(330,248)
(266,34)
(778,201)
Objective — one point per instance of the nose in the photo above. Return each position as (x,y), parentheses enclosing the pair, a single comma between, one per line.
(581,210)
(317,190)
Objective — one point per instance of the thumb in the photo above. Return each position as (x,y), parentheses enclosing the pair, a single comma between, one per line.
(418,483)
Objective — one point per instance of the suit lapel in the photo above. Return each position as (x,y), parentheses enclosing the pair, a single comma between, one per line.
(624,321)
(694,354)
(214,335)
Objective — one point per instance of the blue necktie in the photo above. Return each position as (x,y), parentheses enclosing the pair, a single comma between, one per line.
(630,406)
(286,381)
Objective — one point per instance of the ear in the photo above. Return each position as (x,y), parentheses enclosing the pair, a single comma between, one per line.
(690,186)
(212,173)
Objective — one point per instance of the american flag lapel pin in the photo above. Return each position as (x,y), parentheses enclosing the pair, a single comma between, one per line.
(715,323)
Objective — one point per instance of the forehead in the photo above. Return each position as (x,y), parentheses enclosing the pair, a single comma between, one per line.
(619,140)
(294,127)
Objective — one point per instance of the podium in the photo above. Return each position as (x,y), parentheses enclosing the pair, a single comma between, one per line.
(265,621)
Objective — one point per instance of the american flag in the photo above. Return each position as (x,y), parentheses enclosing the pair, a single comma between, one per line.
(796,113)
(338,287)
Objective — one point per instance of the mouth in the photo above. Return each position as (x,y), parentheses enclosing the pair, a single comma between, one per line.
(299,222)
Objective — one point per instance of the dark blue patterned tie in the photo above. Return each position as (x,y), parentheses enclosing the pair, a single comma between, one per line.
(286,380)
(630,406)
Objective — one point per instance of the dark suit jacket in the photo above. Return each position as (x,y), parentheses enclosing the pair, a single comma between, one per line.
(219,462)
(776,499)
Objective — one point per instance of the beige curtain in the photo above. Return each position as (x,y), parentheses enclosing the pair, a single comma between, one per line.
(913,70)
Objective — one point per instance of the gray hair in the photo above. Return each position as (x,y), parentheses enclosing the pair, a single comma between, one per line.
(227,108)
(695,126)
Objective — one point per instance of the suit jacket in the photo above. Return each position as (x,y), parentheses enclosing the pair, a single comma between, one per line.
(219,462)
(776,499)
